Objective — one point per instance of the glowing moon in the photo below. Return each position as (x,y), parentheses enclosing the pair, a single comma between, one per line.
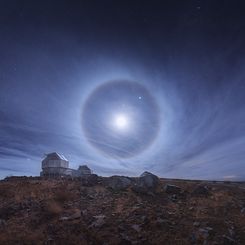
(120,118)
(121,122)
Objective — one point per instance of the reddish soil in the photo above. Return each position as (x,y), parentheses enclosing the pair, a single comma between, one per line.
(62,211)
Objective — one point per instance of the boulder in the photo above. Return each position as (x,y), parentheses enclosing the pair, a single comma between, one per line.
(118,183)
(172,189)
(146,183)
(148,180)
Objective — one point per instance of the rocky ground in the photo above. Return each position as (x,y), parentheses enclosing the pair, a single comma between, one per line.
(121,210)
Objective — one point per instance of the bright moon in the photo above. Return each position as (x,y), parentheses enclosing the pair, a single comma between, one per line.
(121,122)
(120,118)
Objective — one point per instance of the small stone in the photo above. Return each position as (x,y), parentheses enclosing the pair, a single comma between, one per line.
(228,240)
(2,222)
(125,239)
(193,238)
(205,242)
(100,221)
(205,232)
(84,212)
(209,229)
(163,221)
(160,220)
(174,198)
(64,218)
(231,232)
(136,227)
(75,215)
(196,223)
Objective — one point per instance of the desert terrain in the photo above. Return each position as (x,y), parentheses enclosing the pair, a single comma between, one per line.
(121,210)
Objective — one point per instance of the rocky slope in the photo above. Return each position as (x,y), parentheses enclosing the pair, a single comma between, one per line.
(121,210)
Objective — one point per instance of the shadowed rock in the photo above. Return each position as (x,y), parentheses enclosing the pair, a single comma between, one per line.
(148,180)
(118,182)
(146,183)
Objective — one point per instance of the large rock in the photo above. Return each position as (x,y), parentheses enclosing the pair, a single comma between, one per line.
(146,183)
(172,189)
(118,182)
(148,180)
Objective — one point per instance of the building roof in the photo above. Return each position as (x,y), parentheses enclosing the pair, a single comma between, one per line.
(60,156)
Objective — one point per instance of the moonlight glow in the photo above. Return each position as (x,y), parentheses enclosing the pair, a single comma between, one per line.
(120,118)
(121,122)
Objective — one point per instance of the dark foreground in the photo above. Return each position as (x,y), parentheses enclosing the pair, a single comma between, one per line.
(61,211)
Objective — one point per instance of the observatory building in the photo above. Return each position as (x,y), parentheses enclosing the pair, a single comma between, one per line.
(55,165)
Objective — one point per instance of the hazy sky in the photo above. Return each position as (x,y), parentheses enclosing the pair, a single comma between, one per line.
(180,112)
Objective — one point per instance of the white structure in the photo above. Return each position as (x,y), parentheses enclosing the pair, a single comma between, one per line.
(55,164)
(84,170)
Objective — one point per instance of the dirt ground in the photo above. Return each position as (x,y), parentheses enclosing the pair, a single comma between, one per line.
(63,211)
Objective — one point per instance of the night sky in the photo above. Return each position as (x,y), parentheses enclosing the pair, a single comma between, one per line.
(124,86)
